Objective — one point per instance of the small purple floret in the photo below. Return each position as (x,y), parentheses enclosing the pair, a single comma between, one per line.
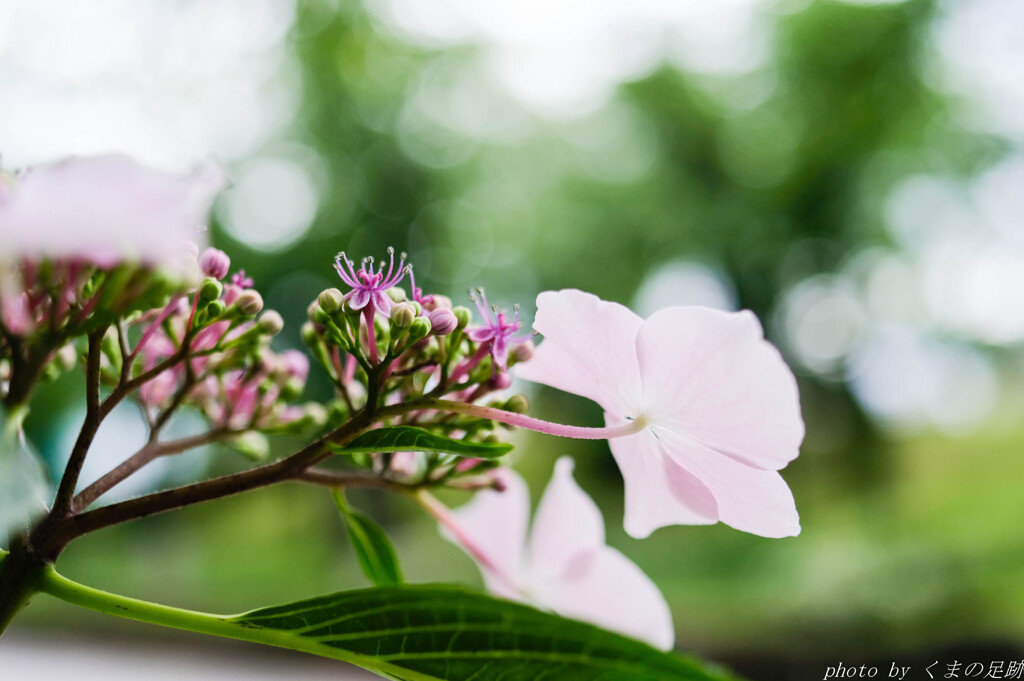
(239,279)
(368,286)
(497,331)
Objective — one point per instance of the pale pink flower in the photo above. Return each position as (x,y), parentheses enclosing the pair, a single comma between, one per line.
(714,405)
(566,567)
(105,210)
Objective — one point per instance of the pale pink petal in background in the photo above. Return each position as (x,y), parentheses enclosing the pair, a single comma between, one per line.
(495,523)
(567,523)
(107,209)
(575,574)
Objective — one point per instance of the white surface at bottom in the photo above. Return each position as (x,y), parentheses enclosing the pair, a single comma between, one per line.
(36,655)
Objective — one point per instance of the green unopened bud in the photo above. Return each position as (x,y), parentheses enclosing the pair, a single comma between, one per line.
(163,283)
(420,328)
(517,404)
(309,335)
(270,323)
(463,315)
(216,359)
(317,314)
(249,303)
(331,300)
(251,444)
(215,310)
(66,357)
(402,315)
(51,372)
(315,413)
(292,388)
(337,412)
(111,348)
(397,294)
(210,289)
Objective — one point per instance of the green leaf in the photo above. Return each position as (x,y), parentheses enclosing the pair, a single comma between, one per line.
(419,633)
(441,633)
(411,439)
(372,546)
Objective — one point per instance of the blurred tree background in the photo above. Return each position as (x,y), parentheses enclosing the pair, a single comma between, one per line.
(831,172)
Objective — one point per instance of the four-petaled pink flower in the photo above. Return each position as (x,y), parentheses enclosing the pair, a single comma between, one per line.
(567,567)
(369,287)
(497,332)
(716,408)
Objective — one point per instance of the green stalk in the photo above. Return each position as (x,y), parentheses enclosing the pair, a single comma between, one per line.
(19,578)
(227,626)
(66,590)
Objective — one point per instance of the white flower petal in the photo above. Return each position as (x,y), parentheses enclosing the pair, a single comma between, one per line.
(612,592)
(749,499)
(658,492)
(567,524)
(107,209)
(601,338)
(495,524)
(711,376)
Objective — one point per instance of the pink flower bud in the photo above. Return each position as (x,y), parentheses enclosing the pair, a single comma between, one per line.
(215,263)
(523,352)
(443,321)
(296,363)
(249,303)
(501,380)
(442,301)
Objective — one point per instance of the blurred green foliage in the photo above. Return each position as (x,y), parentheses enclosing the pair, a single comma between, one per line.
(772,176)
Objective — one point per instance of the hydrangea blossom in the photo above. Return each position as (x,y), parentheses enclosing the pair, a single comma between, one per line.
(566,566)
(714,408)
(106,209)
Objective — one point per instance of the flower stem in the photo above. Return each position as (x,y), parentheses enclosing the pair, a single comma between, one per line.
(19,574)
(227,626)
(371,336)
(66,590)
(155,326)
(539,425)
(93,418)
(287,468)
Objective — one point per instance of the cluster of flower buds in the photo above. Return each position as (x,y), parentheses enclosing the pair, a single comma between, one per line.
(210,350)
(377,342)
(69,259)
